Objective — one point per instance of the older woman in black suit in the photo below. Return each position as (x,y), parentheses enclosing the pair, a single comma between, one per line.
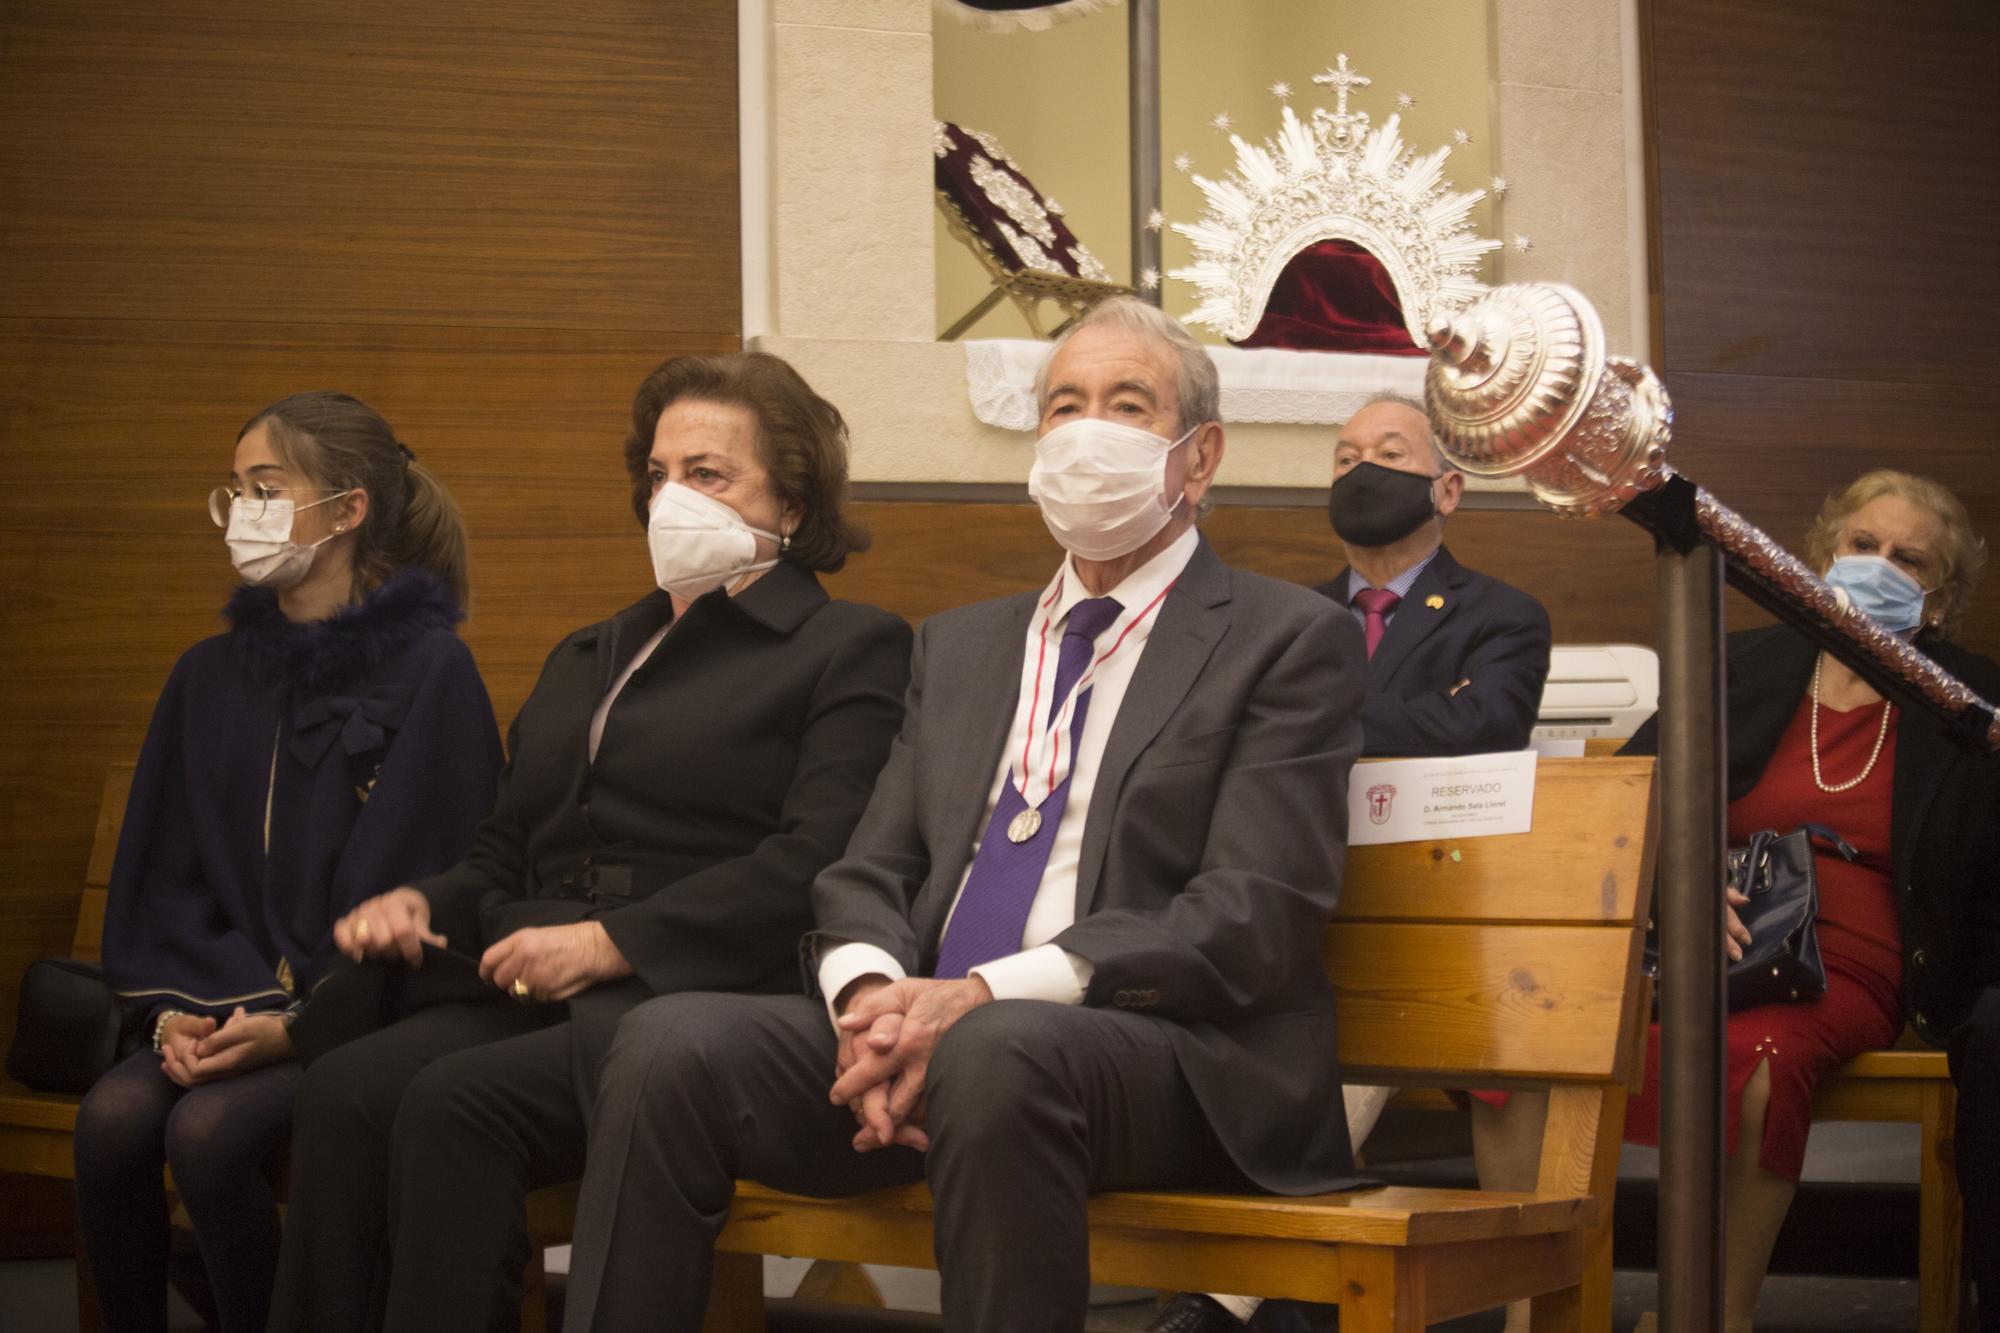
(677,778)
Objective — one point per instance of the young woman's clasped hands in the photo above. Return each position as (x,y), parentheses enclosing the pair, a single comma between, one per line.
(194,1050)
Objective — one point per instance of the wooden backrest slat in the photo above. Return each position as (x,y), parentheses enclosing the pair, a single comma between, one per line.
(1424,1002)
(1589,857)
(103,849)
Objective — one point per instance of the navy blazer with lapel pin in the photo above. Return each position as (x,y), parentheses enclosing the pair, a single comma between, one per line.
(1454,624)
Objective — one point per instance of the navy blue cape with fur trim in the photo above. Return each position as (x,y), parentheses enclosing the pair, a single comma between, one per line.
(290,771)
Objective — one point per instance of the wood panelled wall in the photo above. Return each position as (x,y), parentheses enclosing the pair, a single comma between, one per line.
(1824,271)
(489,220)
(1595,578)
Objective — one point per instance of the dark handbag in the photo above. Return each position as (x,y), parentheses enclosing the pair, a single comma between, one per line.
(355,999)
(71,1027)
(1781,964)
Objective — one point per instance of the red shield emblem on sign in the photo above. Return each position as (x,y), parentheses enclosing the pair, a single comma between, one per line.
(1381,797)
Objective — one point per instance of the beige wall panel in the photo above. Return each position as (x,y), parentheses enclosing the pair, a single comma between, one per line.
(1558,44)
(1564,157)
(876,15)
(851,119)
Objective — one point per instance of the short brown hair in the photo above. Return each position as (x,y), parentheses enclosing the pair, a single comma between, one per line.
(1961,552)
(801,440)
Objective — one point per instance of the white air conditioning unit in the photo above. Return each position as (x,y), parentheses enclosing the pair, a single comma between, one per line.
(1598,691)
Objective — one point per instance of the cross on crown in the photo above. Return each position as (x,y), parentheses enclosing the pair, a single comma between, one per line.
(1347,127)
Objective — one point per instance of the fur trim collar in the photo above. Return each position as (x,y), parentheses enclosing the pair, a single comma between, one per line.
(351,643)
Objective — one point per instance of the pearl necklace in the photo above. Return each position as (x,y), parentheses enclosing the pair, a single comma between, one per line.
(1880,737)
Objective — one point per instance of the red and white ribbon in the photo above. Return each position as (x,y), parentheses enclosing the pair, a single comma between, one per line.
(1043,763)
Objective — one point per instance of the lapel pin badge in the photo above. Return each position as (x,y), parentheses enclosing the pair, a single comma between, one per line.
(1434,602)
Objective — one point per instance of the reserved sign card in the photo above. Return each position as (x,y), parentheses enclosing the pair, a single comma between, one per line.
(1411,800)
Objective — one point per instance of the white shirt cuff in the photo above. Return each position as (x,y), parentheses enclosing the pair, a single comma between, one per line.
(844,964)
(1047,972)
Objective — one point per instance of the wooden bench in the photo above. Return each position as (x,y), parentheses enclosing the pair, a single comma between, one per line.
(1893,1086)
(1906,1086)
(1496,961)
(35,1127)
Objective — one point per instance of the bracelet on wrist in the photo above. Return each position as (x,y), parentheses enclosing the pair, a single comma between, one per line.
(160,1025)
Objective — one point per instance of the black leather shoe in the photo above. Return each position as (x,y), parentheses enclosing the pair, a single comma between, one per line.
(1189,1313)
(1295,1317)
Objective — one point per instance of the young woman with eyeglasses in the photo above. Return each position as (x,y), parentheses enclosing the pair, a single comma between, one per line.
(334,741)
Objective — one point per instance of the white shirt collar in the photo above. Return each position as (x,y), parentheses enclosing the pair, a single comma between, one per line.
(1136,589)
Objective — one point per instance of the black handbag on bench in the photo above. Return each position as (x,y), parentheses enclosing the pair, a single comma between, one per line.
(71,1027)
(1781,964)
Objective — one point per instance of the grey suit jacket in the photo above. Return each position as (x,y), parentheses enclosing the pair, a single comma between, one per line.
(1212,850)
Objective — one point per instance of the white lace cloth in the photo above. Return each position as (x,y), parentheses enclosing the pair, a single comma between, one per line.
(1264,384)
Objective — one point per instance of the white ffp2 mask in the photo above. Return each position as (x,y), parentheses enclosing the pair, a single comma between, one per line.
(1102,486)
(260,542)
(699,543)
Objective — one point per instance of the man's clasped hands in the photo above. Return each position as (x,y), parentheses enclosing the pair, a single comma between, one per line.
(889,1030)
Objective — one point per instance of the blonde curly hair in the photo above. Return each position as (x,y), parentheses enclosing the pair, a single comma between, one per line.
(1961,551)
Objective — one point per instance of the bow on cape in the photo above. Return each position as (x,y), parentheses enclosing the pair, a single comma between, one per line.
(359,724)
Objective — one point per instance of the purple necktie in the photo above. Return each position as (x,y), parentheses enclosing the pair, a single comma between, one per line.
(993,910)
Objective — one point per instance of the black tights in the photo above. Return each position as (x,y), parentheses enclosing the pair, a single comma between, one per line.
(223,1140)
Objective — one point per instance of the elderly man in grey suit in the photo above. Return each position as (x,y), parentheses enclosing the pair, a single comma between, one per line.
(1073,945)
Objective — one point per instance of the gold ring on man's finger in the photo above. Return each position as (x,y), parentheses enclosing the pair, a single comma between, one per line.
(520,989)
(361,929)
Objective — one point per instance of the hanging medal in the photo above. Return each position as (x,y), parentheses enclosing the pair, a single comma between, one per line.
(1045,758)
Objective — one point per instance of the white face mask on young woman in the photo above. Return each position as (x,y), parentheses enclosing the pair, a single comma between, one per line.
(1102,486)
(260,542)
(700,544)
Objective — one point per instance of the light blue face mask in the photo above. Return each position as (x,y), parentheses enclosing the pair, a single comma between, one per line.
(1877,587)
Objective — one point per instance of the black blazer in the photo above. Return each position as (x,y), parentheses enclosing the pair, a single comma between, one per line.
(1944,821)
(1483,631)
(734,765)
(1212,850)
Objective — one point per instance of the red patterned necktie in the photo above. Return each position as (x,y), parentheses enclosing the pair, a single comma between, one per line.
(1376,604)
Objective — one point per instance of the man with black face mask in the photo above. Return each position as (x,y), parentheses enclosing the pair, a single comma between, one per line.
(1456,660)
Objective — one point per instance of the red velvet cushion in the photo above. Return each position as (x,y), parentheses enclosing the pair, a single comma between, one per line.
(1334,297)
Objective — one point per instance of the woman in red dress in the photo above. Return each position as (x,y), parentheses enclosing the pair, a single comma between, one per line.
(1810,742)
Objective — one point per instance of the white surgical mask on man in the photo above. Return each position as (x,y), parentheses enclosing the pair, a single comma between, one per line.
(260,541)
(699,543)
(1102,486)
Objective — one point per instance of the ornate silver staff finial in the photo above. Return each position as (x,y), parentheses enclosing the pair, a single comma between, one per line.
(1519,385)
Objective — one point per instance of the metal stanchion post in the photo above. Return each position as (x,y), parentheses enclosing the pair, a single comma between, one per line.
(1520,385)
(1144,68)
(1693,843)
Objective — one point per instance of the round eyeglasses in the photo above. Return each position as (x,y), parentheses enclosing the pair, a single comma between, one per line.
(258,496)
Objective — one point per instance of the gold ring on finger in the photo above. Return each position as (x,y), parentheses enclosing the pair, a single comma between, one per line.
(520,989)
(361,929)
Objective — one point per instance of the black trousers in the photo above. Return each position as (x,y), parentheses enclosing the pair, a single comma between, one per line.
(1031,1108)
(1975,1067)
(412,1151)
